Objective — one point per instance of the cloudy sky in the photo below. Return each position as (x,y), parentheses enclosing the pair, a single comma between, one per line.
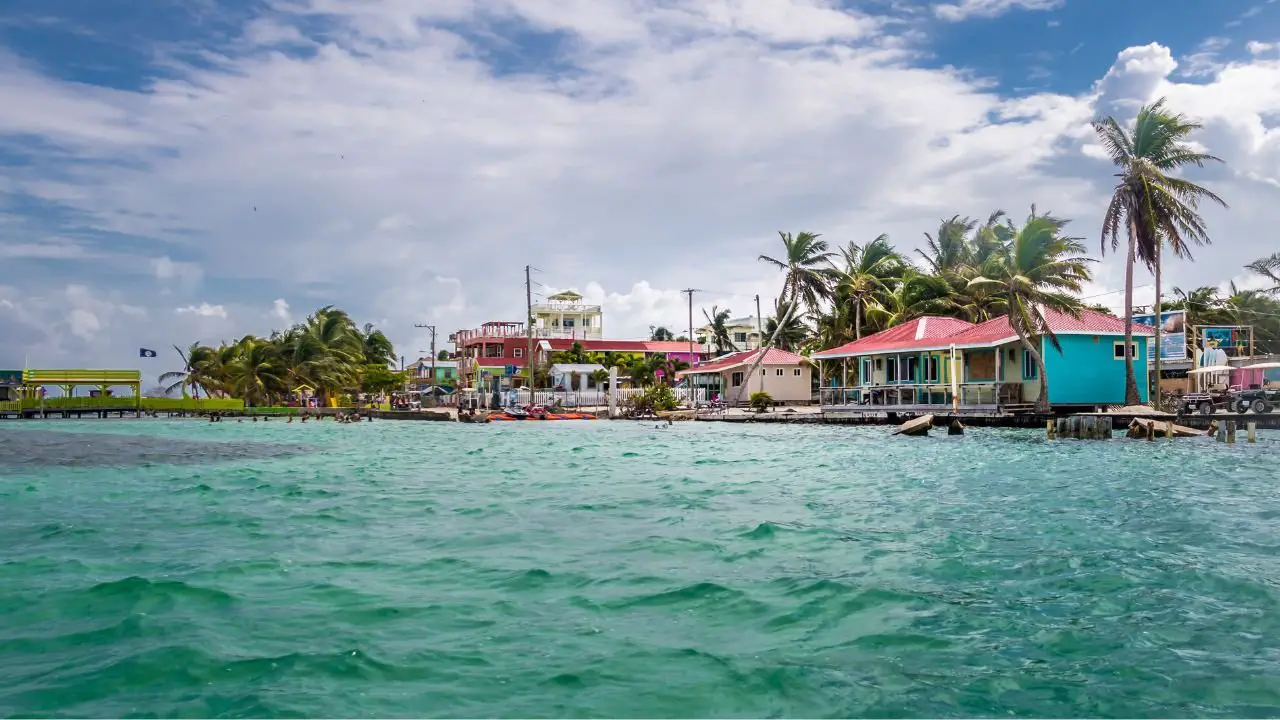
(180,170)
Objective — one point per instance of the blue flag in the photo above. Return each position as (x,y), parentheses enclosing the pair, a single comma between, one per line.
(143,352)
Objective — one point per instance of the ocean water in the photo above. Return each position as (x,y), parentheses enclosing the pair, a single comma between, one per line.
(183,568)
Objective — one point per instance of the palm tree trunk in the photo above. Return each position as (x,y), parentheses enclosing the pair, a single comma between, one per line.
(1155,402)
(1131,396)
(755,365)
(857,319)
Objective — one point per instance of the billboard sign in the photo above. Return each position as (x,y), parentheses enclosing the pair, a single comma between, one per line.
(1231,341)
(1173,333)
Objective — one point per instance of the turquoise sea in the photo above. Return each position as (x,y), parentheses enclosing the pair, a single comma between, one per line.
(184,568)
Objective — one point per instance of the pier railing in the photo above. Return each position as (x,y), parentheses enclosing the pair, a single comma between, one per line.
(878,398)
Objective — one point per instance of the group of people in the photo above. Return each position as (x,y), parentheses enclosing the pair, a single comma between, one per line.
(354,417)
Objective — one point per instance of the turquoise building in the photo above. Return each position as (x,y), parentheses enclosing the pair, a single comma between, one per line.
(945,363)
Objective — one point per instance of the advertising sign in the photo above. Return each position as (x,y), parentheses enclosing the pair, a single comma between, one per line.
(10,377)
(1232,341)
(1173,333)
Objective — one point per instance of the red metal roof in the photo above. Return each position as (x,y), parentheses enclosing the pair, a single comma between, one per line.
(640,346)
(772,356)
(942,332)
(919,333)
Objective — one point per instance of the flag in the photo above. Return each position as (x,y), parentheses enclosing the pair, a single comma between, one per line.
(143,352)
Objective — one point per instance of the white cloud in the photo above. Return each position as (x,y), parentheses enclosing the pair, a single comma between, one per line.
(1261,48)
(204,309)
(1205,60)
(966,9)
(406,171)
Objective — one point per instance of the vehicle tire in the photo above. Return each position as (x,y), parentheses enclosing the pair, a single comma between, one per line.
(1205,407)
(1242,406)
(1261,406)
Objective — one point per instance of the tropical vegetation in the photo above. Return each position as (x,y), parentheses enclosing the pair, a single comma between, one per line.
(326,353)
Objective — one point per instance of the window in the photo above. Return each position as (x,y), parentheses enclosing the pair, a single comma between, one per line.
(866,371)
(568,322)
(911,371)
(763,372)
(1117,350)
(493,351)
(1030,371)
(739,337)
(796,372)
(586,322)
(931,369)
(890,371)
(779,373)
(735,379)
(519,352)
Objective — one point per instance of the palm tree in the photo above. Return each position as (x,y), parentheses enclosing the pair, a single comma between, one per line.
(807,280)
(1151,205)
(716,320)
(658,332)
(950,250)
(1043,269)
(912,296)
(1269,268)
(376,348)
(792,335)
(867,271)
(644,369)
(256,374)
(195,363)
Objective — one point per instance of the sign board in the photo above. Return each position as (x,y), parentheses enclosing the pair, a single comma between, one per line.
(1232,341)
(511,370)
(10,377)
(1173,333)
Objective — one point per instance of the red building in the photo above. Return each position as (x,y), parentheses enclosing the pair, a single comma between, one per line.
(489,349)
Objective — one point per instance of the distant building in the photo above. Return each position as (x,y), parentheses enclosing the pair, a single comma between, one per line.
(744,332)
(564,315)
(419,372)
(786,376)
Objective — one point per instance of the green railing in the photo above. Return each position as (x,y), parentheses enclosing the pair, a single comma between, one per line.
(88,403)
(10,406)
(192,404)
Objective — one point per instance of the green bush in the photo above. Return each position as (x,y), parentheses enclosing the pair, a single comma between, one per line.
(760,401)
(655,398)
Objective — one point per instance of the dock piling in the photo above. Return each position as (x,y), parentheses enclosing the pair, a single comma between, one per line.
(1049,427)
(1251,432)
(1231,432)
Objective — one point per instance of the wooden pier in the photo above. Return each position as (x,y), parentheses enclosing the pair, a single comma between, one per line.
(1118,421)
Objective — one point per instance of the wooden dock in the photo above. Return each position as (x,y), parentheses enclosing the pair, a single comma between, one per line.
(1119,421)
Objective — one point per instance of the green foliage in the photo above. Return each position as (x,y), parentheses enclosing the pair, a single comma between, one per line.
(655,398)
(760,401)
(326,352)
(379,379)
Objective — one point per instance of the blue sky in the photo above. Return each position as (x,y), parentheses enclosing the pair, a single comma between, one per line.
(183,170)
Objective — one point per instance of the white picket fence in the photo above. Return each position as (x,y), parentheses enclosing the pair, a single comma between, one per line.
(598,397)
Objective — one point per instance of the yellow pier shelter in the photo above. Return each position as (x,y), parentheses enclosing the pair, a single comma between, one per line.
(69,380)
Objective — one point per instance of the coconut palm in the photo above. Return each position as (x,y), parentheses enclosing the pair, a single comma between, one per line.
(1043,269)
(950,249)
(658,333)
(791,336)
(868,270)
(808,273)
(716,320)
(375,346)
(1269,268)
(1149,204)
(914,295)
(257,373)
(192,376)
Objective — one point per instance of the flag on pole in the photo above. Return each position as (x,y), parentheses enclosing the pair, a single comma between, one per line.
(143,352)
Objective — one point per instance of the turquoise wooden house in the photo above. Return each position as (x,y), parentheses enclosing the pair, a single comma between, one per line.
(948,364)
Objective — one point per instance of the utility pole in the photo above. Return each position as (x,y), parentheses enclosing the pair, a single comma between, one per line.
(759,321)
(528,306)
(692,356)
(431,328)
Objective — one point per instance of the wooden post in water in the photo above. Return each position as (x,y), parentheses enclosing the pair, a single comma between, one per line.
(1222,433)
(1168,430)
(1089,427)
(1251,431)
(1106,428)
(1231,432)
(1151,430)
(1049,430)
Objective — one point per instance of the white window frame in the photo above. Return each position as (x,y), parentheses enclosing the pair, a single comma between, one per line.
(519,352)
(1133,349)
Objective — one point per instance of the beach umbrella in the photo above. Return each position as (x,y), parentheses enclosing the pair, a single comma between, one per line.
(1213,369)
(1262,366)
